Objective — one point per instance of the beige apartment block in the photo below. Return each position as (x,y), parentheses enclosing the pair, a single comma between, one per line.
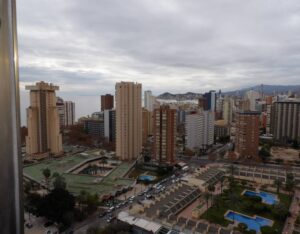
(128,120)
(43,121)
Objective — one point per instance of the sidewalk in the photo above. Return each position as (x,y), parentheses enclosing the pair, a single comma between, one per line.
(294,210)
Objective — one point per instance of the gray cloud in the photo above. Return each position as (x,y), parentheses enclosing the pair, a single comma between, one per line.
(169,45)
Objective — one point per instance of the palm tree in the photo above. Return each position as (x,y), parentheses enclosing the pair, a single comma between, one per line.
(206,196)
(277,183)
(211,189)
(222,181)
(290,182)
(47,174)
(232,169)
(81,198)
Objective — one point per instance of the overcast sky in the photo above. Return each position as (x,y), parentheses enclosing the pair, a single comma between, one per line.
(85,47)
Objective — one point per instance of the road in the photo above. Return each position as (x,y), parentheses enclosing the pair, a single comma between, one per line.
(95,221)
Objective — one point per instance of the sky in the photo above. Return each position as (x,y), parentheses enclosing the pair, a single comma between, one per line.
(85,47)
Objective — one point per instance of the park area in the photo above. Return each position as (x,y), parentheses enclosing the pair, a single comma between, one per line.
(235,200)
(114,181)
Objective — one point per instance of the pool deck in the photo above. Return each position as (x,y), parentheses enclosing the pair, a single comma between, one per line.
(251,217)
(277,199)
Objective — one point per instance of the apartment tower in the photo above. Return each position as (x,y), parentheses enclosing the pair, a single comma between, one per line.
(247,134)
(128,120)
(43,121)
(285,120)
(164,133)
(107,102)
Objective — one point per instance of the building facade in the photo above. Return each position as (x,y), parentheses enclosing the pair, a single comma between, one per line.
(247,134)
(43,121)
(107,102)
(211,99)
(164,134)
(128,120)
(199,128)
(285,120)
(110,125)
(94,127)
(61,111)
(69,111)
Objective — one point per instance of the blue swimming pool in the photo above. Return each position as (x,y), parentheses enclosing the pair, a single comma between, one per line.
(148,178)
(268,198)
(254,223)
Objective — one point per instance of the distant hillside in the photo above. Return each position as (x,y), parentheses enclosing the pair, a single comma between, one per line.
(178,97)
(267,89)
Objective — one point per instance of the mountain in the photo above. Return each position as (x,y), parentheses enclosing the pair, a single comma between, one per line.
(179,97)
(267,89)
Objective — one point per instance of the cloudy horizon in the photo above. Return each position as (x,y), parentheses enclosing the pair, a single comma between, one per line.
(168,46)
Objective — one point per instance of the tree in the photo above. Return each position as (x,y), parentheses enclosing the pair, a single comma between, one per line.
(56,205)
(277,183)
(280,212)
(267,230)
(59,182)
(47,174)
(81,198)
(290,182)
(211,189)
(206,197)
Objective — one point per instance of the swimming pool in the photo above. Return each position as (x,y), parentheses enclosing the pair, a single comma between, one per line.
(253,223)
(146,178)
(268,198)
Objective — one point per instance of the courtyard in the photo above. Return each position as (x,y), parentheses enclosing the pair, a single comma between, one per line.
(234,200)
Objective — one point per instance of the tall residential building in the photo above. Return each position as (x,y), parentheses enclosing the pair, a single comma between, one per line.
(164,134)
(285,120)
(211,99)
(149,100)
(128,120)
(66,112)
(61,111)
(228,110)
(252,96)
(110,125)
(69,111)
(107,102)
(43,121)
(199,128)
(147,125)
(247,134)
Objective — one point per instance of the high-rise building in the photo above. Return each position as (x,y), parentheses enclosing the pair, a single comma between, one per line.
(199,129)
(147,125)
(110,125)
(247,134)
(149,100)
(228,110)
(94,127)
(285,120)
(69,112)
(61,111)
(66,112)
(43,121)
(107,102)
(211,98)
(164,134)
(252,96)
(128,120)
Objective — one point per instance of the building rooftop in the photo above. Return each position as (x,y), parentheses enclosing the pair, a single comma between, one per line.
(76,182)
